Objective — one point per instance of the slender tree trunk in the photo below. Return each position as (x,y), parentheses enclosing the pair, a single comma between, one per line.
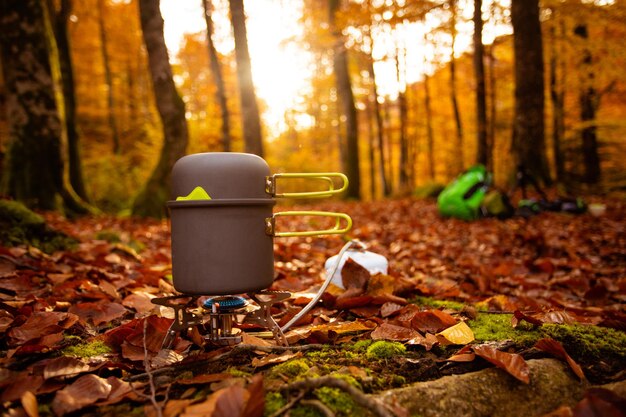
(151,200)
(253,139)
(558,110)
(528,127)
(455,105)
(482,155)
(347,106)
(220,92)
(108,79)
(589,99)
(380,130)
(387,128)
(403,168)
(371,149)
(60,20)
(430,139)
(493,97)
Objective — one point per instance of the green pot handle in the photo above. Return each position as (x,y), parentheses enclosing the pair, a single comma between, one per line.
(270,224)
(270,184)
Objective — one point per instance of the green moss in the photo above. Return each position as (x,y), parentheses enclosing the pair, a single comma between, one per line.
(589,343)
(238,373)
(305,411)
(45,410)
(109,235)
(383,349)
(362,345)
(337,400)
(292,368)
(274,401)
(86,350)
(431,302)
(488,327)
(348,378)
(21,226)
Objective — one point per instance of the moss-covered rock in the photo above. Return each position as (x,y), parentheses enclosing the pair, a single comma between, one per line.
(21,226)
(585,343)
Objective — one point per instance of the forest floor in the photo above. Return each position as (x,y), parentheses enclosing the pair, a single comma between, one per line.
(79,334)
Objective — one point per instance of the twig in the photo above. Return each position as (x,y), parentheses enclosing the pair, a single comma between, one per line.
(158,408)
(328,381)
(288,406)
(272,349)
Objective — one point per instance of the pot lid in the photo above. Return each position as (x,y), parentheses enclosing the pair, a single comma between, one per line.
(221,175)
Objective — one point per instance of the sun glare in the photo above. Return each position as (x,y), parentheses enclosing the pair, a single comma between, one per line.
(280,68)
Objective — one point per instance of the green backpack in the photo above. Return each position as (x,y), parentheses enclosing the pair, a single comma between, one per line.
(463,197)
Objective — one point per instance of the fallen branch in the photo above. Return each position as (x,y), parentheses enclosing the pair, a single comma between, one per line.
(375,406)
(282,410)
(273,349)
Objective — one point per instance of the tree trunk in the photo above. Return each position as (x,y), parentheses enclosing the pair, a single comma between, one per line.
(34,172)
(528,125)
(491,137)
(403,171)
(253,139)
(482,154)
(455,105)
(74,162)
(347,106)
(589,100)
(108,79)
(380,131)
(430,139)
(220,92)
(371,148)
(558,110)
(171,108)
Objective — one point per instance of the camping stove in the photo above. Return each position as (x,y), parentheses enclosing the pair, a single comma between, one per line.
(221,315)
(223,226)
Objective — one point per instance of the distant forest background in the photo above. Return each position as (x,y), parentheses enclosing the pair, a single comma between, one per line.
(91,112)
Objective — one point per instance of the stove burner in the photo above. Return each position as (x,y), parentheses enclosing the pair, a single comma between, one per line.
(220,314)
(226,303)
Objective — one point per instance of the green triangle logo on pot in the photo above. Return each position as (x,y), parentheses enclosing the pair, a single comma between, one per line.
(198,193)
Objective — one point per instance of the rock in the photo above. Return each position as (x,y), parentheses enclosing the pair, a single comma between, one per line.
(493,392)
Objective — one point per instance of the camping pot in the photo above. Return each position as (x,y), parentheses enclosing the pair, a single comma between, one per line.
(223,224)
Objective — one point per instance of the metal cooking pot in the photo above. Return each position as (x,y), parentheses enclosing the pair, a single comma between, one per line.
(223,225)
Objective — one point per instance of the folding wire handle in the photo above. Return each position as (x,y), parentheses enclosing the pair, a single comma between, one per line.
(270,184)
(270,224)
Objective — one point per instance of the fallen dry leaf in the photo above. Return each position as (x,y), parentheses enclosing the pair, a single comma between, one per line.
(98,313)
(555,348)
(29,402)
(273,359)
(432,321)
(41,324)
(227,402)
(513,363)
(459,334)
(64,366)
(86,390)
(388,331)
